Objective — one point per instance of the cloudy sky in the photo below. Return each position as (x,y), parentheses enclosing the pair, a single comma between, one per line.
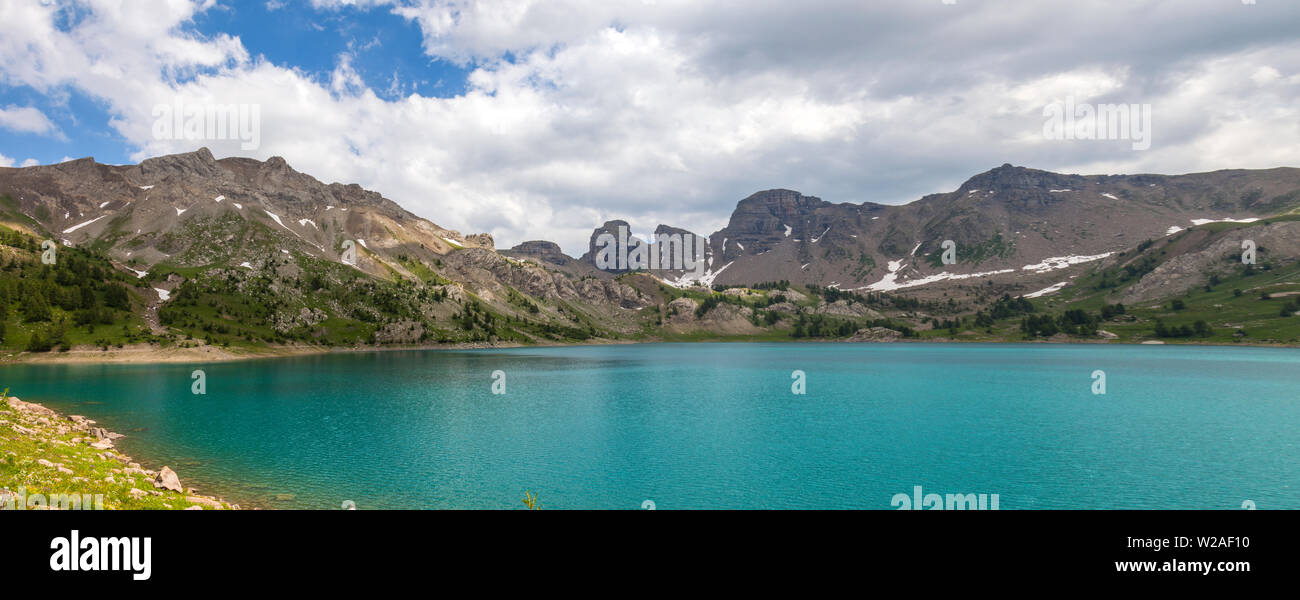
(540,119)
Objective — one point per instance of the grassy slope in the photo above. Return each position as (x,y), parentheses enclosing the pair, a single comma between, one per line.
(91,473)
(1234,308)
(236,307)
(1220,306)
(69,321)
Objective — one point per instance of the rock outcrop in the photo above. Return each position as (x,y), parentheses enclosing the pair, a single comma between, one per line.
(876,334)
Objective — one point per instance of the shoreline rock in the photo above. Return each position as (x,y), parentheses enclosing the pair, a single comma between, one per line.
(876,334)
(168,480)
(77,448)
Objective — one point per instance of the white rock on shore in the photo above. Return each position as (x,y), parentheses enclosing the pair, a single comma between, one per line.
(167,479)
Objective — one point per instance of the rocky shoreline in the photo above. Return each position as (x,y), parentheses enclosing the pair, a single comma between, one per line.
(51,462)
(153,354)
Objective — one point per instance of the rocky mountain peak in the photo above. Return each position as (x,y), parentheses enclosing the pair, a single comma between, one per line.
(670,230)
(610,227)
(543,250)
(781,202)
(1008,177)
(480,240)
(277,163)
(199,163)
(77,168)
(772,212)
(537,247)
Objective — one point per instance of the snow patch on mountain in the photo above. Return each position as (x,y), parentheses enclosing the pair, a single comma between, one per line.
(1205,221)
(80,225)
(690,279)
(1061,262)
(276,218)
(1051,289)
(890,281)
(893,279)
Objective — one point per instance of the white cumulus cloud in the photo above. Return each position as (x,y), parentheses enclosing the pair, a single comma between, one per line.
(672,110)
(26,119)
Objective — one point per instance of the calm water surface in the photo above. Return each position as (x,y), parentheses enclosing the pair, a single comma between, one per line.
(712,425)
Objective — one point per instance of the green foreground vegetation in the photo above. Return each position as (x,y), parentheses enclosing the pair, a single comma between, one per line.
(48,461)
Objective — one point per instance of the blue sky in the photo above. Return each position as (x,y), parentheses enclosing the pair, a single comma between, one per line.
(386,47)
(385,50)
(541,119)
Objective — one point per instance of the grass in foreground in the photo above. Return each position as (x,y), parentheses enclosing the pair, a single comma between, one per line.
(43,453)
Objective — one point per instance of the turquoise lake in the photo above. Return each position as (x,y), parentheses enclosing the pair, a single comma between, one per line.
(711,425)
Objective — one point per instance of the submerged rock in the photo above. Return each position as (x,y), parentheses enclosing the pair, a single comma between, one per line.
(203,501)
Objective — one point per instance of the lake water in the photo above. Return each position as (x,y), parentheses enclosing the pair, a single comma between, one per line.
(712,425)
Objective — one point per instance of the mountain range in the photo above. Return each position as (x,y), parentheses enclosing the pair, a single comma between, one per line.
(1011,225)
(242,253)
